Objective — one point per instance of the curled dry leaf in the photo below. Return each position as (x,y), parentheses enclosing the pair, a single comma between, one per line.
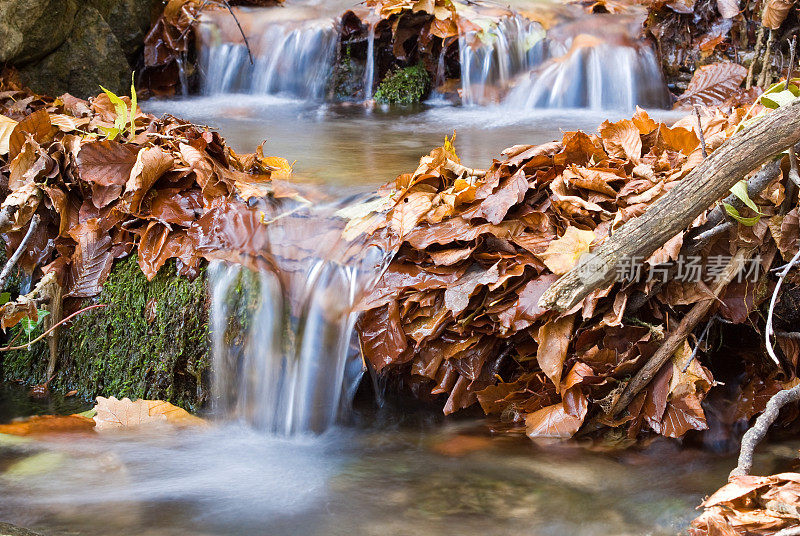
(775,12)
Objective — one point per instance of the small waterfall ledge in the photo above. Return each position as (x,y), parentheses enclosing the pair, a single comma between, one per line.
(588,61)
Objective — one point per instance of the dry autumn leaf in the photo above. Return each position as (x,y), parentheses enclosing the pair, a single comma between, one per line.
(116,414)
(6,128)
(712,84)
(775,12)
(48,425)
(563,253)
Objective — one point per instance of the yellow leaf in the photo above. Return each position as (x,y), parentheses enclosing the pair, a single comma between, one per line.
(6,128)
(113,413)
(563,253)
(280,167)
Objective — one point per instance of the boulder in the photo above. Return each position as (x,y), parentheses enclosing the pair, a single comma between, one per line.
(91,56)
(30,29)
(130,21)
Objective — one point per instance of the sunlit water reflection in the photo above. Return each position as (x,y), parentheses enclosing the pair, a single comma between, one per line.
(357,147)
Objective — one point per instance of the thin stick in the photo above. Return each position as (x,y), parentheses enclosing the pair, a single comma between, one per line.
(20,250)
(770,314)
(792,47)
(46,333)
(246,43)
(700,131)
(697,346)
(676,338)
(751,68)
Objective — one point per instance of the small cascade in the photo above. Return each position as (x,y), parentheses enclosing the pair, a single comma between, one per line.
(490,58)
(596,75)
(285,357)
(293,58)
(369,71)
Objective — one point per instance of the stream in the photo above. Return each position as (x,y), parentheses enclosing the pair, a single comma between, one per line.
(387,471)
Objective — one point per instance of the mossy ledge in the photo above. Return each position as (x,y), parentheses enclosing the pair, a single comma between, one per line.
(152,341)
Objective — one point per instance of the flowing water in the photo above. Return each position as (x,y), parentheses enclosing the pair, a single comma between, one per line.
(279,460)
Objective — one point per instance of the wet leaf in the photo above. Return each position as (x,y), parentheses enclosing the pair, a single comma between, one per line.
(46,425)
(713,84)
(554,338)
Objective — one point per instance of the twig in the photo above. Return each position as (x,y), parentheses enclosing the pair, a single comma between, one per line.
(46,333)
(20,250)
(7,217)
(770,314)
(794,175)
(751,68)
(766,65)
(700,131)
(697,346)
(793,335)
(755,434)
(246,43)
(792,49)
(676,338)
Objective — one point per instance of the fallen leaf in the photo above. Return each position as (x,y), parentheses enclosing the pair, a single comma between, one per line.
(117,414)
(563,253)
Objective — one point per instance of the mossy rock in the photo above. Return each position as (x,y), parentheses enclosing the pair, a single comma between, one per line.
(408,85)
(152,341)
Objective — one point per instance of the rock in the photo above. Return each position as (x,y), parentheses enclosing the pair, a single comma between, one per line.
(91,56)
(30,29)
(7,529)
(151,342)
(129,20)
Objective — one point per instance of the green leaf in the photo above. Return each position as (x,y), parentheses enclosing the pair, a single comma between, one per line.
(119,108)
(5,297)
(134,104)
(733,213)
(111,133)
(778,99)
(740,191)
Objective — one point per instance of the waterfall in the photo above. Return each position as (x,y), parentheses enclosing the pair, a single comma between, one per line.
(293,58)
(490,58)
(284,355)
(595,75)
(369,71)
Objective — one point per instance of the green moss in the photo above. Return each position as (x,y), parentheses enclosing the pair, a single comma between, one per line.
(404,86)
(150,342)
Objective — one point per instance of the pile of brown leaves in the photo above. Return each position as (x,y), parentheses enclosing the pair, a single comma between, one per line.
(104,179)
(456,314)
(754,505)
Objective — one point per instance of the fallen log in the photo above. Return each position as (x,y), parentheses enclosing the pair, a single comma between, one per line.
(707,183)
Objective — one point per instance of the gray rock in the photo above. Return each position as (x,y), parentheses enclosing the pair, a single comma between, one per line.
(30,29)
(7,529)
(129,20)
(91,56)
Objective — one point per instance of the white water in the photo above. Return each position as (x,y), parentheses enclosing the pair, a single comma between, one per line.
(597,76)
(513,61)
(285,359)
(291,58)
(515,45)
